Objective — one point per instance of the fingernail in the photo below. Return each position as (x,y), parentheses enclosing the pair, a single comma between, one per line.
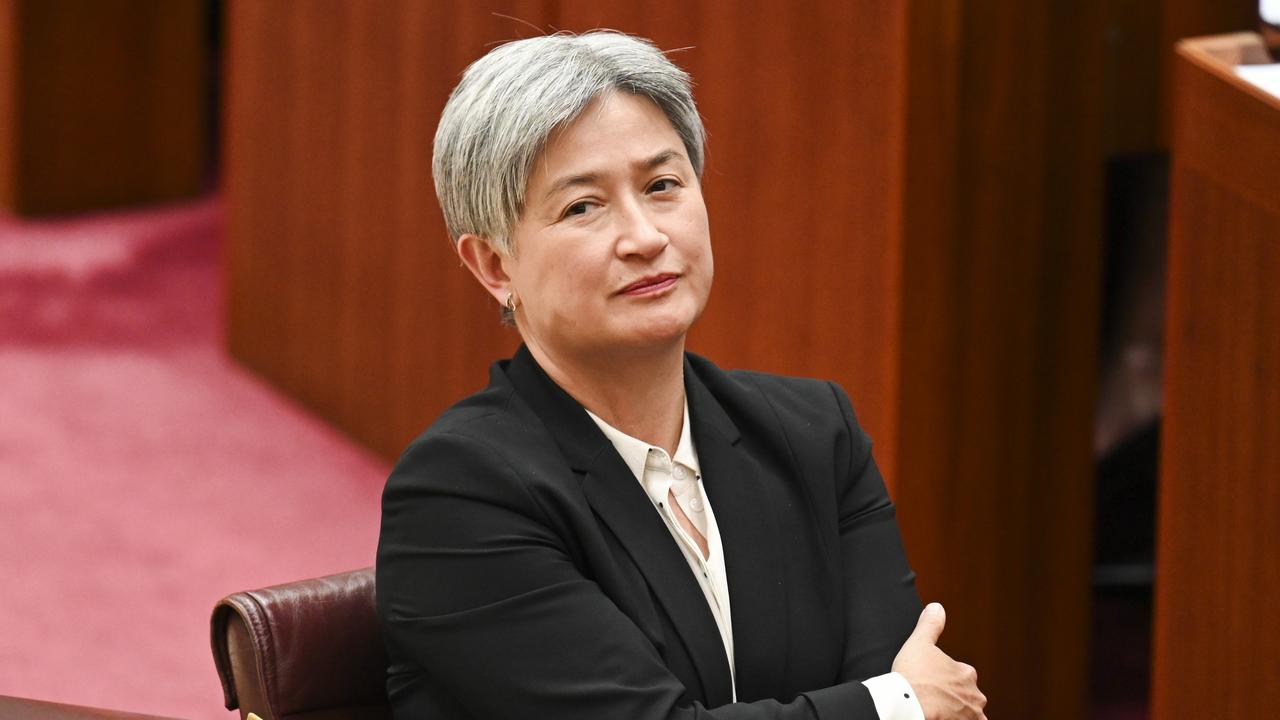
(933,608)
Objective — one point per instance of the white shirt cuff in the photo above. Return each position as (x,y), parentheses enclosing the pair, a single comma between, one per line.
(894,697)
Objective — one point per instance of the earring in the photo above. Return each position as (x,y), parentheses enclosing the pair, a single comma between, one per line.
(510,304)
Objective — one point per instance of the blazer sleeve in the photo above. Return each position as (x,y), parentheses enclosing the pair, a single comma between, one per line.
(479,593)
(881,605)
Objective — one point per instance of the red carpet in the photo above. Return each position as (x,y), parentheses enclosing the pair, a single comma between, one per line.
(143,475)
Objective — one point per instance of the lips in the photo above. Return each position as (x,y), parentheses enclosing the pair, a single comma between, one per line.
(650,284)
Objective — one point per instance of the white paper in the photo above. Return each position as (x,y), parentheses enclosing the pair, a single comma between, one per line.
(1270,10)
(1266,77)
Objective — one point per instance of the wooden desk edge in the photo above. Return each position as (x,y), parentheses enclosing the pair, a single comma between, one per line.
(1220,54)
(14,708)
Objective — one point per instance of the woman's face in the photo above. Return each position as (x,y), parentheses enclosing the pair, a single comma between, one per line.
(613,251)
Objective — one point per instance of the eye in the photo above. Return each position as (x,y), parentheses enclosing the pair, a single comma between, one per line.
(663,185)
(582,207)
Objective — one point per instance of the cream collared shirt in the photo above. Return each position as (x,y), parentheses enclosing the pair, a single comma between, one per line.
(893,696)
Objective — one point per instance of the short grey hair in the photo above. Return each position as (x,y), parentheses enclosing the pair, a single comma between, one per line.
(508,103)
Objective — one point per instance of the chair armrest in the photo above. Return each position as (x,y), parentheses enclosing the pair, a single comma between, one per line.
(302,647)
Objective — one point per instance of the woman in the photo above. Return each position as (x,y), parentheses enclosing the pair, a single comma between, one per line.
(614,528)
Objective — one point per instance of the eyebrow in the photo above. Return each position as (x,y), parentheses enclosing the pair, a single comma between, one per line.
(569,181)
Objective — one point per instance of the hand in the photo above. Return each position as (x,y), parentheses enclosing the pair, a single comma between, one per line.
(946,689)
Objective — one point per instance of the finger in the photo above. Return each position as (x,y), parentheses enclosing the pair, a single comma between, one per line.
(929,626)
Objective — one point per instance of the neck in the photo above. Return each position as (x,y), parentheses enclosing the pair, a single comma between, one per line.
(640,394)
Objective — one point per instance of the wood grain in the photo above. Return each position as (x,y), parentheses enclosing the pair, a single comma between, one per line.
(8,92)
(344,289)
(1140,35)
(1216,648)
(105,103)
(1190,18)
(998,337)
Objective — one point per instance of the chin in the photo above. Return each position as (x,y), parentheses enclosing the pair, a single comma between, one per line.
(660,332)
(658,326)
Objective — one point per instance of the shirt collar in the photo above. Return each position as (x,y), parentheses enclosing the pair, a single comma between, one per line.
(635,452)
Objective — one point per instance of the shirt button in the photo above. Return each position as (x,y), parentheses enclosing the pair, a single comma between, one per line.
(696,504)
(677,472)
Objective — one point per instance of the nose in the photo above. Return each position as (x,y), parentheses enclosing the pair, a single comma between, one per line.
(638,234)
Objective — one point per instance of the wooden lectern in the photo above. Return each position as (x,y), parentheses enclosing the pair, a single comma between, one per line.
(1217,637)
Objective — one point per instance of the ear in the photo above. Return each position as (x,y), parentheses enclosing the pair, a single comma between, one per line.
(487,264)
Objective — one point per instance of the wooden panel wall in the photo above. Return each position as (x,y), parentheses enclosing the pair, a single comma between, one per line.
(105,103)
(1216,645)
(1000,254)
(1139,62)
(8,53)
(904,196)
(344,289)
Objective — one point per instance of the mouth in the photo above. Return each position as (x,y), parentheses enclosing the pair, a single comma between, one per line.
(650,284)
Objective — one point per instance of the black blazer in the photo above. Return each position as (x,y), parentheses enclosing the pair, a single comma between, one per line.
(523,572)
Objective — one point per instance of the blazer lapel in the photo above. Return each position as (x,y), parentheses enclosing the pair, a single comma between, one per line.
(619,501)
(752,541)
(622,504)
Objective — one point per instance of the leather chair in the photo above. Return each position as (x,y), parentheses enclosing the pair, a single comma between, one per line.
(306,650)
